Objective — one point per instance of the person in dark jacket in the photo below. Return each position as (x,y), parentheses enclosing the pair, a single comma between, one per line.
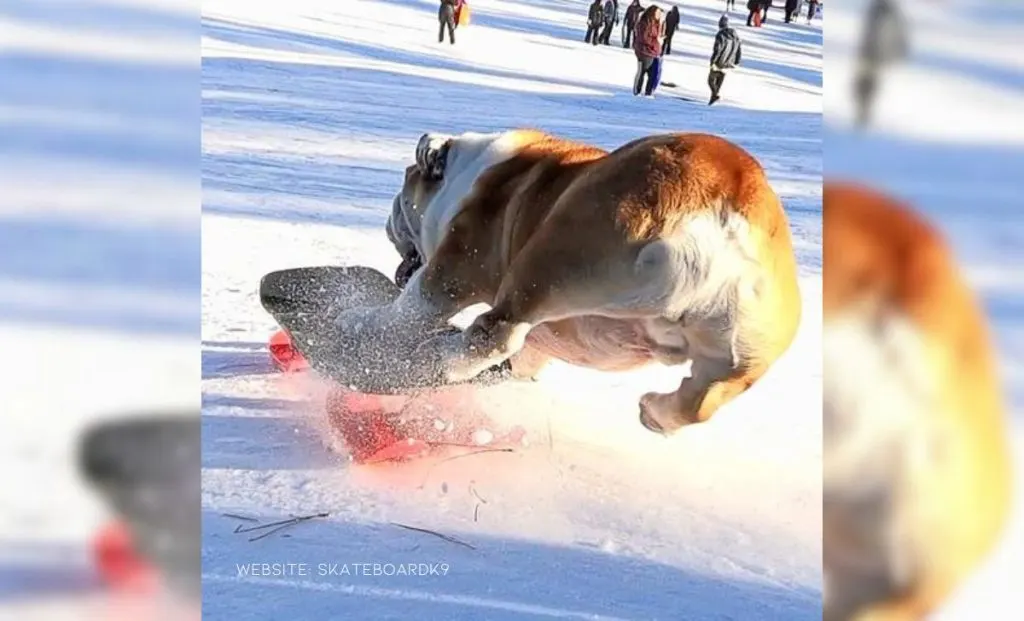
(765,5)
(595,18)
(610,13)
(725,56)
(671,25)
(446,17)
(884,43)
(647,47)
(730,4)
(633,12)
(812,9)
(792,6)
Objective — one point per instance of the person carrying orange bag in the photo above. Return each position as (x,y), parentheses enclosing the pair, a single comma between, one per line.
(461,13)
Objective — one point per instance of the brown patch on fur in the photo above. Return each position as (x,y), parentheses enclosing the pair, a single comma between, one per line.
(881,259)
(688,173)
(506,207)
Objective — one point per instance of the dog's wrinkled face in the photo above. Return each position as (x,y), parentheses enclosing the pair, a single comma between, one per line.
(421,183)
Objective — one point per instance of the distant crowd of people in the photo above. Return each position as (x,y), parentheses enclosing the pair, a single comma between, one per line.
(758,10)
(649,31)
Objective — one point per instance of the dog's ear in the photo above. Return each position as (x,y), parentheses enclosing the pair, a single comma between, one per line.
(431,154)
(421,151)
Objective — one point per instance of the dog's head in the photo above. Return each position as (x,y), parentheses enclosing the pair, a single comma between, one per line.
(422,181)
(424,178)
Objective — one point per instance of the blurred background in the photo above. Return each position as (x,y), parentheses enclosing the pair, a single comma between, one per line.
(99,270)
(936,120)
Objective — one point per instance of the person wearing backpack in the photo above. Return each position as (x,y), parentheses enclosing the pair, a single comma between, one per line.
(647,47)
(595,17)
(633,12)
(724,56)
(671,25)
(812,9)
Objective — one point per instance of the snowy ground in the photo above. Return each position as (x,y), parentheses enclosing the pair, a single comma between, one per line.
(949,139)
(311,109)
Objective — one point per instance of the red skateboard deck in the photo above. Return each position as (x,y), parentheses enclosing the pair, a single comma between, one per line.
(378,428)
(118,563)
(284,355)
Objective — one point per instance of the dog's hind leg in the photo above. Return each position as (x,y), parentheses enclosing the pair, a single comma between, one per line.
(720,372)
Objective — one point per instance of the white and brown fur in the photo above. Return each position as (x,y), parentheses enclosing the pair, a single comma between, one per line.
(672,248)
(916,465)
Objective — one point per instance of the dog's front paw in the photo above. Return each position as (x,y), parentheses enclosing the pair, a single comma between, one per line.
(527,364)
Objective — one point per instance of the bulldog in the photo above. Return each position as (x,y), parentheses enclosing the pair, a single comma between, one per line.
(670,249)
(916,485)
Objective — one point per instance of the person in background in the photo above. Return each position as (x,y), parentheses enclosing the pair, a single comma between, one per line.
(883,44)
(647,47)
(765,5)
(724,56)
(671,25)
(812,8)
(730,5)
(633,12)
(610,13)
(595,17)
(446,17)
(754,15)
(792,6)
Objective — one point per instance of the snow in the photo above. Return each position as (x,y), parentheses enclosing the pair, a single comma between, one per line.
(311,110)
